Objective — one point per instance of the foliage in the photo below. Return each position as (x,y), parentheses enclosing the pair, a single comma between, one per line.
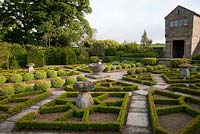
(58,22)
(15,78)
(149,68)
(6,90)
(2,79)
(70,81)
(71,57)
(93,59)
(81,78)
(131,71)
(57,82)
(83,56)
(51,74)
(55,56)
(42,85)
(4,55)
(176,62)
(196,57)
(40,75)
(150,61)
(19,87)
(28,77)
(145,40)
(36,56)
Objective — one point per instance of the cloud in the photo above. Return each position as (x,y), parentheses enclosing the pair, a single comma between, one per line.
(126,19)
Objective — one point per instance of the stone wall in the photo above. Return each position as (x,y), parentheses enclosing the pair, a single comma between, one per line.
(196,35)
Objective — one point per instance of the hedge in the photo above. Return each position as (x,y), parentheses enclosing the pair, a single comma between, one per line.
(60,123)
(42,85)
(57,82)
(154,112)
(7,90)
(28,77)
(36,56)
(150,61)
(176,62)
(15,78)
(2,79)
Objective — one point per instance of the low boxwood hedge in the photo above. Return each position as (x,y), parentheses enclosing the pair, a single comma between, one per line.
(69,109)
(180,106)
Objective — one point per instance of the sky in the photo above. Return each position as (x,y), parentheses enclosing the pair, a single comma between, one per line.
(125,20)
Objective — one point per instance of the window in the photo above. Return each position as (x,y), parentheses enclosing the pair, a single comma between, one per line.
(181,21)
(176,23)
(172,23)
(185,22)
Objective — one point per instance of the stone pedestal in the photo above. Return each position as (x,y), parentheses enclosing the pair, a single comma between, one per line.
(84,100)
(185,72)
(31,69)
(100,76)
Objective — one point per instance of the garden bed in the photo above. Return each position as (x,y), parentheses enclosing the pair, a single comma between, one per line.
(146,79)
(173,114)
(16,103)
(62,114)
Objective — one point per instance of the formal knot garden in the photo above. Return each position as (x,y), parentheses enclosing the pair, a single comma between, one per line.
(115,96)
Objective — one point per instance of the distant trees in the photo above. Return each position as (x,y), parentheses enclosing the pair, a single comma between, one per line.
(145,40)
(51,22)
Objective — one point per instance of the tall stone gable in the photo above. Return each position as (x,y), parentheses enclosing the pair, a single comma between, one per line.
(182,33)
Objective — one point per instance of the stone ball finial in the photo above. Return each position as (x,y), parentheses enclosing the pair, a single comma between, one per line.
(84,86)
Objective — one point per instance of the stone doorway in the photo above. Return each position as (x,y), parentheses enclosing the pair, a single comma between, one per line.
(178,49)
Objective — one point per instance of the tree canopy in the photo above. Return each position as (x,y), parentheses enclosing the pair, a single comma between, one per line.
(56,22)
(145,40)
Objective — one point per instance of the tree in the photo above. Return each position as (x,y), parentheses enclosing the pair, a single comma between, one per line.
(28,16)
(145,40)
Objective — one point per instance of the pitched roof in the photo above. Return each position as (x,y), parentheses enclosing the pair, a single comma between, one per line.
(185,9)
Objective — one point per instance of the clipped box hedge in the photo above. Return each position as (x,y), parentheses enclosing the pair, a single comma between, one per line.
(180,106)
(60,122)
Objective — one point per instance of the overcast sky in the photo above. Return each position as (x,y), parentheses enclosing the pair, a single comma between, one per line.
(126,19)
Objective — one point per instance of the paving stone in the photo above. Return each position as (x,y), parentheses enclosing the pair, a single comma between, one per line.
(138,97)
(36,107)
(138,104)
(137,119)
(137,110)
(161,86)
(21,114)
(142,92)
(43,102)
(57,93)
(7,126)
(136,130)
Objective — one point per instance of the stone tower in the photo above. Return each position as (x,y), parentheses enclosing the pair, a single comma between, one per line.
(182,33)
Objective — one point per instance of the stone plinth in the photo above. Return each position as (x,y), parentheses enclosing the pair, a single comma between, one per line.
(185,72)
(30,67)
(101,76)
(84,98)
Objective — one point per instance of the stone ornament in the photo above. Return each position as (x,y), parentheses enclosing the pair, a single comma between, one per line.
(84,98)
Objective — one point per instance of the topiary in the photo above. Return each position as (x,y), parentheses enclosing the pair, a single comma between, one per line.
(119,67)
(40,75)
(150,61)
(29,88)
(28,77)
(124,66)
(81,78)
(139,70)
(51,74)
(42,85)
(7,90)
(144,70)
(61,73)
(176,62)
(149,68)
(15,78)
(113,67)
(57,82)
(2,79)
(131,71)
(70,81)
(107,69)
(138,64)
(19,87)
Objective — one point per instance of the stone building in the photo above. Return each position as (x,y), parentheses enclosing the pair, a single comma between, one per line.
(182,33)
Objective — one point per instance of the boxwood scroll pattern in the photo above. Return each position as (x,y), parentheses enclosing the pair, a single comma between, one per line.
(68,107)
